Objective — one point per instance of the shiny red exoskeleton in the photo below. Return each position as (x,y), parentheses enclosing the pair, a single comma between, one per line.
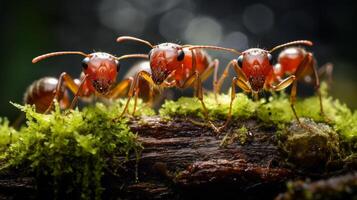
(100,71)
(301,63)
(174,65)
(41,93)
(293,59)
(255,72)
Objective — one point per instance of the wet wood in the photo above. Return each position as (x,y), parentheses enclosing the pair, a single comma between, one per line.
(182,160)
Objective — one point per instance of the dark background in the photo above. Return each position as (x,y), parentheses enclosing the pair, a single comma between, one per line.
(31,28)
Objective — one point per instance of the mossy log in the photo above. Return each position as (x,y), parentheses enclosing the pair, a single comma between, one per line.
(184,160)
(181,159)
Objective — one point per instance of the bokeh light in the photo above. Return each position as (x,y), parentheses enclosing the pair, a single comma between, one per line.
(258,18)
(203,30)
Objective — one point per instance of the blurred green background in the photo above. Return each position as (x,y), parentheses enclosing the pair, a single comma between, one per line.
(31,28)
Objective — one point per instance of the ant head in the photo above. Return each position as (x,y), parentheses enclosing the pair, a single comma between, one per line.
(164,59)
(100,68)
(256,64)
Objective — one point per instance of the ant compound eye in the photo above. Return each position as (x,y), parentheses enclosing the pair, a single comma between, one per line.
(118,66)
(85,63)
(181,55)
(240,60)
(270,58)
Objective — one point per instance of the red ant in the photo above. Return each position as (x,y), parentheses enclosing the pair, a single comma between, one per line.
(41,93)
(302,64)
(173,65)
(255,72)
(100,71)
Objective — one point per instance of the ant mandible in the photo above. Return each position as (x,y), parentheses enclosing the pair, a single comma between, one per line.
(254,68)
(100,71)
(174,65)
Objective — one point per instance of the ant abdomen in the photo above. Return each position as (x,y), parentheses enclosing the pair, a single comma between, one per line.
(41,93)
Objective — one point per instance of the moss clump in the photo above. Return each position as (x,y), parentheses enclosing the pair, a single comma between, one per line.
(340,187)
(310,148)
(240,134)
(316,147)
(276,111)
(142,109)
(185,106)
(71,149)
(7,135)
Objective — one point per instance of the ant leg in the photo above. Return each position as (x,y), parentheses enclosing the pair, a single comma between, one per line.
(199,94)
(130,94)
(195,77)
(64,78)
(151,97)
(233,63)
(233,96)
(212,68)
(147,77)
(142,74)
(282,85)
(223,77)
(242,84)
(137,89)
(75,98)
(309,62)
(121,88)
(317,83)
(293,100)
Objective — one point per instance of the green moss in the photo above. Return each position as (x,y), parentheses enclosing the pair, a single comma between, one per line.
(185,106)
(310,148)
(7,134)
(70,148)
(338,187)
(276,111)
(240,134)
(142,109)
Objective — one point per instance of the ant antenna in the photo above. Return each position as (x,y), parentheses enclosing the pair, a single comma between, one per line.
(44,56)
(123,38)
(132,56)
(302,42)
(215,48)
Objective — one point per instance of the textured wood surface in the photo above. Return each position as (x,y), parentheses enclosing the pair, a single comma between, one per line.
(182,160)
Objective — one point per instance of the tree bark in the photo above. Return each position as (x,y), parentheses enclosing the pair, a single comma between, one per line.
(182,160)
